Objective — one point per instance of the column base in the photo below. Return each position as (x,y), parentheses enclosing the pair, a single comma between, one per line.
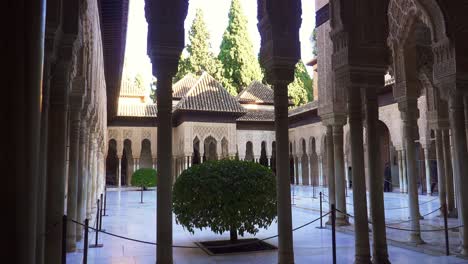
(463,251)
(342,221)
(71,247)
(453,214)
(381,260)
(362,260)
(416,239)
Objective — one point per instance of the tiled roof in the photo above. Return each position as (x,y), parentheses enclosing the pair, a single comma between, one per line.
(303,108)
(137,110)
(258,115)
(256,92)
(129,89)
(180,88)
(209,95)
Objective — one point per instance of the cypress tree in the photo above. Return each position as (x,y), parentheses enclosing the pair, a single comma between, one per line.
(240,64)
(200,58)
(300,90)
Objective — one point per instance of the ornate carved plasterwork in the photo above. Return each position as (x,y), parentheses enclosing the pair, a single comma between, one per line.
(113,134)
(146,134)
(215,131)
(127,134)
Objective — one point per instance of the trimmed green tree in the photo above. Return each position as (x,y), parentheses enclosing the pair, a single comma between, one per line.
(144,177)
(240,64)
(225,195)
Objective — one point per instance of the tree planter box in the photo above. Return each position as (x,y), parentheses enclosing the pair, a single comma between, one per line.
(222,247)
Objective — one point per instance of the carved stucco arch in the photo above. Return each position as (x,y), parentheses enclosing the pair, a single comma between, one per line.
(402,14)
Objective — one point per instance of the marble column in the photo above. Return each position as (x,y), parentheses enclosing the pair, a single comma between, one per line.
(296,170)
(400,170)
(376,181)
(457,125)
(409,115)
(119,171)
(42,178)
(56,175)
(440,169)
(361,228)
(89,180)
(448,173)
(21,120)
(82,178)
(330,170)
(154,164)
(165,159)
(285,242)
(72,196)
(427,166)
(339,171)
(405,172)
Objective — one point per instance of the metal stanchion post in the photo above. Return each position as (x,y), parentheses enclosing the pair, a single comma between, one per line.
(447,246)
(64,239)
(333,218)
(321,212)
(85,246)
(105,200)
(96,245)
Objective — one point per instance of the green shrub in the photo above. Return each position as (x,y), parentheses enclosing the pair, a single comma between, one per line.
(144,178)
(225,195)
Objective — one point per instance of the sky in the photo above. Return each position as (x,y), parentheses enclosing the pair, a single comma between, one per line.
(216,19)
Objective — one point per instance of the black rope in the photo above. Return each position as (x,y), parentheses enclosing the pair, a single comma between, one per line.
(410,230)
(178,246)
(409,220)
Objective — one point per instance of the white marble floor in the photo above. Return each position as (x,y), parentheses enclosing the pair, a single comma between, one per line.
(128,217)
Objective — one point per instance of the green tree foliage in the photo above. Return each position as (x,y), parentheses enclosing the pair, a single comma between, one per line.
(240,64)
(153,85)
(313,39)
(300,90)
(200,58)
(144,177)
(225,195)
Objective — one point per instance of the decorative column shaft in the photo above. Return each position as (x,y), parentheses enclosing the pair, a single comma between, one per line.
(376,181)
(405,171)
(448,173)
(409,115)
(119,171)
(165,170)
(82,178)
(441,169)
(89,179)
(400,169)
(330,170)
(56,178)
(72,196)
(457,125)
(361,228)
(427,166)
(339,172)
(285,242)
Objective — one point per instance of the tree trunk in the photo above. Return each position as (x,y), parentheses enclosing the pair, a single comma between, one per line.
(233,234)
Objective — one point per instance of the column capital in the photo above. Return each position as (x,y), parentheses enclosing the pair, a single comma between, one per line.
(165,34)
(279,23)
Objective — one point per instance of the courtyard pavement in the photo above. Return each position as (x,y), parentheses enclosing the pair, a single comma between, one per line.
(128,217)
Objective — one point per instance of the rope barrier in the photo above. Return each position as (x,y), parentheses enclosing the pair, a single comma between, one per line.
(179,246)
(409,220)
(410,230)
